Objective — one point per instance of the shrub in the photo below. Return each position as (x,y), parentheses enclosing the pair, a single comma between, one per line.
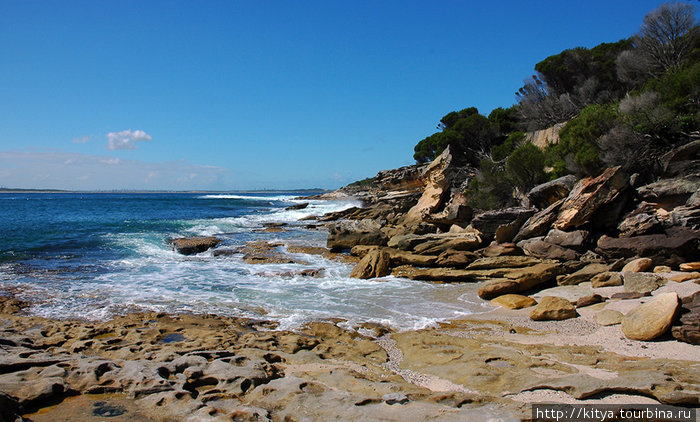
(525,167)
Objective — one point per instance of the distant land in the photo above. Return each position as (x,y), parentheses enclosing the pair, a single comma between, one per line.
(20,190)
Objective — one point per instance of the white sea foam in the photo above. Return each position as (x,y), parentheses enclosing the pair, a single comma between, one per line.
(150,276)
(285,198)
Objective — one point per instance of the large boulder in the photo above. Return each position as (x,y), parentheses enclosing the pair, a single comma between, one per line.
(518,280)
(651,319)
(591,195)
(374,264)
(679,241)
(548,193)
(504,222)
(455,258)
(670,193)
(193,245)
(512,301)
(688,329)
(553,308)
(442,243)
(345,234)
(643,220)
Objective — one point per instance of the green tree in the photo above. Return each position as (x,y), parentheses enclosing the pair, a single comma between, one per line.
(525,167)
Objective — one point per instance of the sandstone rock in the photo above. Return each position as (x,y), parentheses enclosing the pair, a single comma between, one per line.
(503,262)
(501,249)
(261,252)
(440,243)
(690,266)
(455,212)
(589,300)
(498,287)
(362,250)
(573,239)
(679,278)
(590,195)
(487,223)
(584,274)
(642,282)
(670,193)
(301,206)
(399,257)
(348,233)
(606,279)
(540,223)
(193,245)
(609,317)
(638,265)
(688,329)
(570,293)
(374,264)
(661,269)
(454,258)
(513,301)
(651,319)
(548,193)
(437,184)
(539,248)
(676,240)
(545,137)
(552,308)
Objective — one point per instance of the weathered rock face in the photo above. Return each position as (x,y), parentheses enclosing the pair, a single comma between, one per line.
(506,221)
(590,195)
(539,248)
(688,329)
(518,280)
(544,137)
(455,258)
(193,245)
(643,220)
(651,319)
(402,178)
(548,193)
(675,241)
(437,187)
(670,193)
(642,282)
(553,308)
(347,233)
(374,264)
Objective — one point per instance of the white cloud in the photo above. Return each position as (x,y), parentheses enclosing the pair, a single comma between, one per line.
(55,169)
(126,139)
(82,140)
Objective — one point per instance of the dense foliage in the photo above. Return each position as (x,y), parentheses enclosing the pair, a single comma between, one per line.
(624,103)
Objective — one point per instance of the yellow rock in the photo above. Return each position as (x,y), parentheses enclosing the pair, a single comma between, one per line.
(679,278)
(513,301)
(690,266)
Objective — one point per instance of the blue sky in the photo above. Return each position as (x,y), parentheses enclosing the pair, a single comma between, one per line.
(261,94)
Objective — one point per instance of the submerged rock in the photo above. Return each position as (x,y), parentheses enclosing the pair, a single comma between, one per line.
(193,245)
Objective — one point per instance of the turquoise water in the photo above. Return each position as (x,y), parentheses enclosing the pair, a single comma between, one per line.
(96,255)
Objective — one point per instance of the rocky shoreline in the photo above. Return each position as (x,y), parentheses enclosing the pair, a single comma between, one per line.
(594,284)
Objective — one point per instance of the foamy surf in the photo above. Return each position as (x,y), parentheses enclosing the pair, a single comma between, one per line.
(134,269)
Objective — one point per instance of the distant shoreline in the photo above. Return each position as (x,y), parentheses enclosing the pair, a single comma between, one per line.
(11,190)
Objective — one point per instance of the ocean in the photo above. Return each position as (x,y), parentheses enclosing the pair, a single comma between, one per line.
(97,255)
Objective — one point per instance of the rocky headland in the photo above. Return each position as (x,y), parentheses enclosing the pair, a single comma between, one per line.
(593,282)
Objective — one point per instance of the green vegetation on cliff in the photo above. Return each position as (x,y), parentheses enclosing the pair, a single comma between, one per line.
(624,103)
